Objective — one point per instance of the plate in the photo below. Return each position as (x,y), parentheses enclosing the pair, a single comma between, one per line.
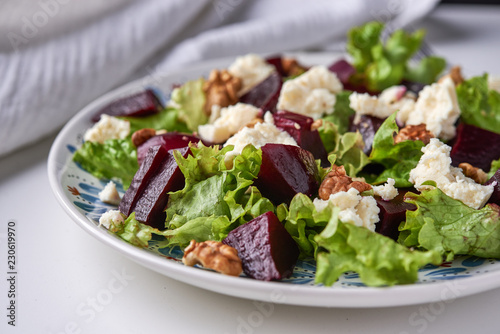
(77,192)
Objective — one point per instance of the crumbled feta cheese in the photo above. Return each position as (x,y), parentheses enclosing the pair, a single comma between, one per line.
(259,135)
(231,119)
(436,107)
(251,69)
(112,220)
(312,93)
(108,127)
(390,100)
(435,165)
(109,194)
(494,83)
(354,208)
(386,191)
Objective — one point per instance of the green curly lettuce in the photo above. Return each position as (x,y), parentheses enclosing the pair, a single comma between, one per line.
(450,227)
(479,105)
(398,159)
(113,159)
(381,65)
(189,101)
(345,148)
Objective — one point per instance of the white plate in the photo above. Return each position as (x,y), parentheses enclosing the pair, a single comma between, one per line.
(76,190)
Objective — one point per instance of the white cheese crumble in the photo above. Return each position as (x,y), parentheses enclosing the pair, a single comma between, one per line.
(108,127)
(386,191)
(109,194)
(230,121)
(435,165)
(252,69)
(436,107)
(112,220)
(390,100)
(312,93)
(260,135)
(354,208)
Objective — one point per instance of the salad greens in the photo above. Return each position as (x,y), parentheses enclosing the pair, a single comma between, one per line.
(398,159)
(189,100)
(341,112)
(450,227)
(345,149)
(168,119)
(480,105)
(381,65)
(114,159)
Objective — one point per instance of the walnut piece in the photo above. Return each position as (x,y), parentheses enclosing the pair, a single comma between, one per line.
(291,67)
(477,174)
(221,89)
(455,74)
(337,181)
(316,124)
(140,136)
(214,255)
(414,132)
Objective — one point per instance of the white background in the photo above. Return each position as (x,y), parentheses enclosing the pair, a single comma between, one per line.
(67,281)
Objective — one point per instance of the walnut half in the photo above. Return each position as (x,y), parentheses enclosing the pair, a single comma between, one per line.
(337,181)
(214,255)
(477,174)
(414,132)
(221,89)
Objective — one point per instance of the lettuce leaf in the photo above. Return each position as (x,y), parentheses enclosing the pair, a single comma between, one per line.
(345,148)
(495,165)
(341,112)
(214,191)
(398,159)
(377,259)
(450,227)
(380,65)
(303,223)
(479,105)
(189,100)
(167,119)
(114,159)
(339,247)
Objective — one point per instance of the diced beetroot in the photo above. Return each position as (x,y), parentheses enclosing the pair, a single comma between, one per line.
(476,146)
(138,105)
(495,197)
(343,69)
(392,213)
(276,62)
(299,127)
(266,249)
(169,141)
(367,126)
(285,171)
(147,196)
(266,94)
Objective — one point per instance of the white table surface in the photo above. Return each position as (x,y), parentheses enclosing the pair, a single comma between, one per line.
(62,270)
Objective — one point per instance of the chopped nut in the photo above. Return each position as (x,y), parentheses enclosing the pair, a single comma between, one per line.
(477,174)
(140,136)
(337,181)
(221,89)
(414,132)
(214,255)
(316,124)
(291,67)
(455,75)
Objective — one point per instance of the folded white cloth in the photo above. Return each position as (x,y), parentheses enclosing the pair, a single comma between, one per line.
(56,56)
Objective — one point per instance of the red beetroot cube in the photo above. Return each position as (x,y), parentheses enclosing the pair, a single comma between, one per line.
(266,249)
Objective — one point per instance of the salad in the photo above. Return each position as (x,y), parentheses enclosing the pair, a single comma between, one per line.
(377,164)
